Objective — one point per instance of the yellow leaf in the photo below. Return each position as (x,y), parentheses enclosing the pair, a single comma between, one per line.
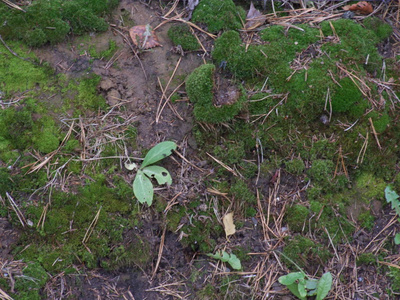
(228,224)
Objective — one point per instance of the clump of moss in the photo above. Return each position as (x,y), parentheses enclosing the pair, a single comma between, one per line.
(234,56)
(368,187)
(366,259)
(366,220)
(50,21)
(180,35)
(35,277)
(347,97)
(304,252)
(85,93)
(382,30)
(219,14)
(46,136)
(17,74)
(200,90)
(295,166)
(296,216)
(321,171)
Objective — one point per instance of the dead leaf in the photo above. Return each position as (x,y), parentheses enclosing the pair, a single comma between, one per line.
(362,7)
(229,226)
(254,18)
(144,37)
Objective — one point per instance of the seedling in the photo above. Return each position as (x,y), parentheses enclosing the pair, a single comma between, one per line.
(393,198)
(229,258)
(301,286)
(142,186)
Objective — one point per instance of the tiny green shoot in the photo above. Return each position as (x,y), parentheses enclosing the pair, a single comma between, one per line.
(229,258)
(142,186)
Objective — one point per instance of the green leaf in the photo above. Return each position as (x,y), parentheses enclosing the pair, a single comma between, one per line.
(235,262)
(159,173)
(294,288)
(143,188)
(302,288)
(397,239)
(392,197)
(231,259)
(291,278)
(324,286)
(158,152)
(311,284)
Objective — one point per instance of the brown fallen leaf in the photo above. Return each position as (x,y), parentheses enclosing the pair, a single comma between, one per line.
(144,37)
(254,18)
(362,7)
(229,226)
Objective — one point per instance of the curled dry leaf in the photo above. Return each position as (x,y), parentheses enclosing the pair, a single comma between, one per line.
(229,226)
(144,37)
(362,7)
(254,18)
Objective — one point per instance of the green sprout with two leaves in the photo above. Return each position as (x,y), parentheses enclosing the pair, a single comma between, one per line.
(142,185)
(302,286)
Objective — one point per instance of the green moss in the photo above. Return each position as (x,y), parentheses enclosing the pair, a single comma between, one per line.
(241,192)
(321,171)
(103,54)
(85,94)
(17,74)
(46,137)
(200,90)
(243,62)
(368,187)
(394,274)
(366,259)
(347,97)
(180,34)
(219,14)
(295,166)
(50,21)
(304,252)
(382,30)
(381,120)
(296,217)
(366,220)
(35,277)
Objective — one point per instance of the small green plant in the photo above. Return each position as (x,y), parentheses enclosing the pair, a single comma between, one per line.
(229,258)
(302,286)
(393,198)
(142,186)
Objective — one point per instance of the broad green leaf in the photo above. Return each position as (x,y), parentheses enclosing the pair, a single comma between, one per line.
(302,288)
(397,239)
(225,256)
(294,288)
(235,262)
(311,284)
(324,286)
(231,259)
(290,278)
(158,152)
(143,188)
(392,197)
(159,173)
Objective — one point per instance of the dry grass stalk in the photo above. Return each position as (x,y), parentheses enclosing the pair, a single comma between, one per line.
(229,169)
(38,165)
(165,289)
(91,227)
(14,206)
(160,251)
(374,132)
